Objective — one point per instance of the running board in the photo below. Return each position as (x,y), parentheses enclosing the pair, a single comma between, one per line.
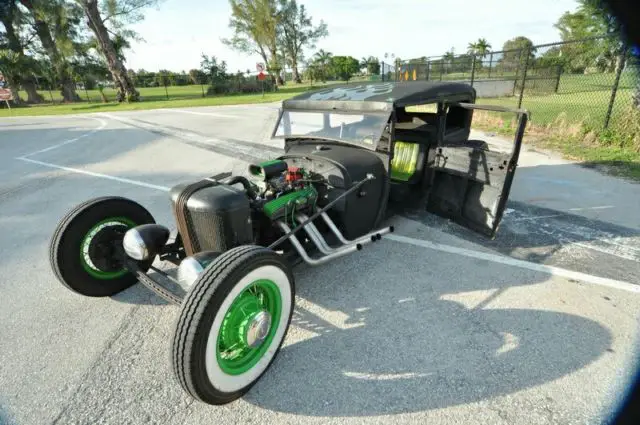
(319,241)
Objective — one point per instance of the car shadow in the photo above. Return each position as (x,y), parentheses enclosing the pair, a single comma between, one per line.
(5,417)
(411,344)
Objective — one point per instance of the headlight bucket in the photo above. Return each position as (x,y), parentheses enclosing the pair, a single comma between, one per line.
(191,267)
(145,242)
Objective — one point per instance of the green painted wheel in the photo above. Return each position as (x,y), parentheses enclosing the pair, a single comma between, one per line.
(233,322)
(113,224)
(248,327)
(86,248)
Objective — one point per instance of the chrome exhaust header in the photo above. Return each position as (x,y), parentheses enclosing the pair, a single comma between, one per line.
(375,235)
(317,261)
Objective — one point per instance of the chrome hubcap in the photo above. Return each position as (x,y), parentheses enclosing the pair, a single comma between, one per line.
(258,328)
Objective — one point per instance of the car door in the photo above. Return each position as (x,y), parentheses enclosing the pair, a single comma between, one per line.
(470,181)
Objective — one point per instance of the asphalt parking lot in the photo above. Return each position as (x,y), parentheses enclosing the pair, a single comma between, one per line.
(433,325)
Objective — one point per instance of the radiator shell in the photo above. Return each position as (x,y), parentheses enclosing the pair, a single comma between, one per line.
(214,218)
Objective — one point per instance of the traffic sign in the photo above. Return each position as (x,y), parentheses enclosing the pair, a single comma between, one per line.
(5,94)
(260,67)
(261,76)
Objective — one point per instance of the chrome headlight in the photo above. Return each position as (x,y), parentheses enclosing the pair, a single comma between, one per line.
(145,241)
(191,267)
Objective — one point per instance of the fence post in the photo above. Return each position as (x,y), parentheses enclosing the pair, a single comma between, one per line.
(558,79)
(490,64)
(473,69)
(428,72)
(524,76)
(614,89)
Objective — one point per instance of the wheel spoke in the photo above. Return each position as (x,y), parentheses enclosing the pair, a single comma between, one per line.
(235,354)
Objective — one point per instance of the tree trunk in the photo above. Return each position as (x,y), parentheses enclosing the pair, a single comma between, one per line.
(16,46)
(294,68)
(274,60)
(14,92)
(119,73)
(29,86)
(67,85)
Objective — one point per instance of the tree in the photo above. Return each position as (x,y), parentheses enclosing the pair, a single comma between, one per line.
(372,65)
(255,25)
(448,58)
(18,68)
(115,14)
(343,67)
(471,48)
(591,19)
(54,22)
(483,47)
(517,53)
(321,64)
(297,32)
(197,76)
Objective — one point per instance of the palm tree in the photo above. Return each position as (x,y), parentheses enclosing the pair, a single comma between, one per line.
(322,59)
(449,57)
(482,47)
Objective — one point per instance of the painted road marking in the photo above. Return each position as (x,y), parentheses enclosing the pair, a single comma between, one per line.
(604,207)
(100,175)
(249,152)
(211,114)
(102,122)
(509,261)
(536,217)
(552,270)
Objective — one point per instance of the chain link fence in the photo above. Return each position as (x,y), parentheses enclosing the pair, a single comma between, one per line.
(167,86)
(153,86)
(579,85)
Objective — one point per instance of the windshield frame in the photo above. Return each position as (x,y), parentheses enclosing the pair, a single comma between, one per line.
(384,115)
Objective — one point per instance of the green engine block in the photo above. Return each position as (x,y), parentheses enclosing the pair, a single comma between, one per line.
(286,205)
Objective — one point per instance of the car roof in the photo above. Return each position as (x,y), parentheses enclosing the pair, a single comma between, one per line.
(380,96)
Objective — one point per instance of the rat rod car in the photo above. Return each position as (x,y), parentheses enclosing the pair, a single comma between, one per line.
(353,154)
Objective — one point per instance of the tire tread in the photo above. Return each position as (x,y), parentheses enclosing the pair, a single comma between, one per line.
(193,307)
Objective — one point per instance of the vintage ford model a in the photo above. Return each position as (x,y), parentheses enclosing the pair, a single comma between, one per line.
(352,156)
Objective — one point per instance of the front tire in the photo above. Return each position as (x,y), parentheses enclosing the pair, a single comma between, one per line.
(85,250)
(232,324)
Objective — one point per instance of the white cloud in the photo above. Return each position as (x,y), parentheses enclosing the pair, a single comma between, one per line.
(181,30)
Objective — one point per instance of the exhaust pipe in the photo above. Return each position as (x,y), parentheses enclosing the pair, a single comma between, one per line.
(370,237)
(322,260)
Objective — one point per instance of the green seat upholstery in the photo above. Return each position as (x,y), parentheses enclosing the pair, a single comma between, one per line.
(405,160)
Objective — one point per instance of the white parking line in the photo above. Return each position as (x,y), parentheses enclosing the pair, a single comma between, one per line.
(100,175)
(604,207)
(509,261)
(211,114)
(102,122)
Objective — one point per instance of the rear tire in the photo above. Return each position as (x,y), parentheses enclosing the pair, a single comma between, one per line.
(84,250)
(214,358)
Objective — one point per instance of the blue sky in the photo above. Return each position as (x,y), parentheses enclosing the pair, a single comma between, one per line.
(178,31)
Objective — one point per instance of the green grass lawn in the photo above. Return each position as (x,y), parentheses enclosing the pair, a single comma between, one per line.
(572,108)
(155,98)
(557,119)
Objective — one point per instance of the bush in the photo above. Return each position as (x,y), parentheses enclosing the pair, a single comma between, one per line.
(239,86)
